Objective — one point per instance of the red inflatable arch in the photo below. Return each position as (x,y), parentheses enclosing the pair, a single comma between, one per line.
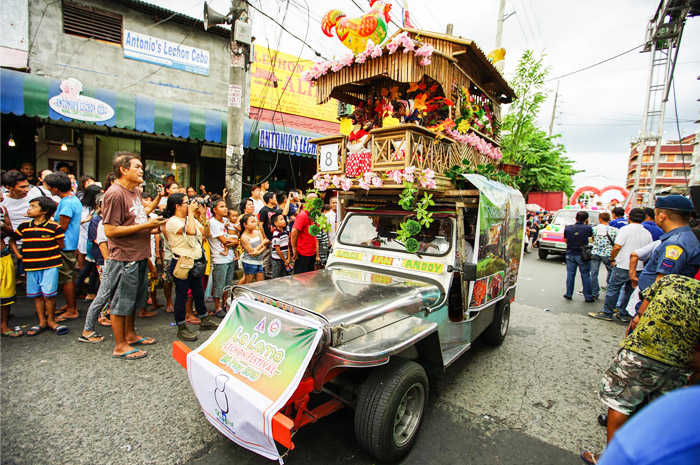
(596,191)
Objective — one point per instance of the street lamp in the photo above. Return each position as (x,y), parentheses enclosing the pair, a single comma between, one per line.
(11,141)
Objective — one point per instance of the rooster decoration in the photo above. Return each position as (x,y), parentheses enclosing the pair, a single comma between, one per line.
(354,33)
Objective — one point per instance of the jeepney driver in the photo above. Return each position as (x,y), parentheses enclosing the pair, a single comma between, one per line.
(679,251)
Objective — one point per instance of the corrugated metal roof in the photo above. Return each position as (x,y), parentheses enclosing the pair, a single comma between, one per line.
(160,13)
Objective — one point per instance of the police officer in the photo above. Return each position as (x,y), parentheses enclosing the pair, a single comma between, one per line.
(577,236)
(679,251)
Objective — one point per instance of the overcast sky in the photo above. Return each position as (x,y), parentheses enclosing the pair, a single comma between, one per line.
(599,111)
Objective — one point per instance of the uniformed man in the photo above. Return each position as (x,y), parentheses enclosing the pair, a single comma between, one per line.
(679,251)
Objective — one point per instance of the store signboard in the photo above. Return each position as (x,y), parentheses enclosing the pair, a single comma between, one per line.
(162,52)
(71,104)
(286,141)
(276,85)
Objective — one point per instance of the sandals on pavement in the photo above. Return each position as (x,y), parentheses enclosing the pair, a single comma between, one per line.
(35,330)
(144,341)
(61,330)
(15,332)
(125,355)
(589,457)
(92,338)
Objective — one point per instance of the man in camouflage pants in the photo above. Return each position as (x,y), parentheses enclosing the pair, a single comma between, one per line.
(657,356)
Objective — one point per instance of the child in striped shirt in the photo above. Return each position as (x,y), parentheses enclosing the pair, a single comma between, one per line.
(42,241)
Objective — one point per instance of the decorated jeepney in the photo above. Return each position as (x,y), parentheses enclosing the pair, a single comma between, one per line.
(425,258)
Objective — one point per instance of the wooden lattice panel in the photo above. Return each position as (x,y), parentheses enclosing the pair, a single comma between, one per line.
(407,145)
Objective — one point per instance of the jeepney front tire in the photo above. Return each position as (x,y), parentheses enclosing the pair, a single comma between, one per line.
(389,410)
(496,333)
(542,254)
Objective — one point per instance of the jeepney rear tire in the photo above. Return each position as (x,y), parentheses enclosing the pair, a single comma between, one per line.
(496,333)
(542,254)
(390,408)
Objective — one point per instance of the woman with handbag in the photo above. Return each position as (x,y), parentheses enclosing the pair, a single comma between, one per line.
(185,234)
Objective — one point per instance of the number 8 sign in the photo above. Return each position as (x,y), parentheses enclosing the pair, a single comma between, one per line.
(329,158)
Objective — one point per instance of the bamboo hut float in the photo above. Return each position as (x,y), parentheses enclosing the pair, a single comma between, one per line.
(455,63)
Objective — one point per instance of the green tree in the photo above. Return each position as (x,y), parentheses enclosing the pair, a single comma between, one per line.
(544,166)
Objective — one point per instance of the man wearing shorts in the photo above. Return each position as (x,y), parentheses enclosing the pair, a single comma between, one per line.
(128,232)
(656,356)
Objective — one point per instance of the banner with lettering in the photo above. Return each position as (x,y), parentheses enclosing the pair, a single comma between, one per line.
(276,74)
(248,369)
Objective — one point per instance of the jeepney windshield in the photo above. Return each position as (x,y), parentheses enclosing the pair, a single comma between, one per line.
(378,231)
(567,217)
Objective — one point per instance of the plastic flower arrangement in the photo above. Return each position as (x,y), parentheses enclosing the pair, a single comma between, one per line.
(423,53)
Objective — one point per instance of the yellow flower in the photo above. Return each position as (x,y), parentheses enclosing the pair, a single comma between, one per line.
(419,102)
(463,126)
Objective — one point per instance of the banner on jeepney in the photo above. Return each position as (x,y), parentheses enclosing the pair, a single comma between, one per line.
(500,234)
(271,68)
(249,367)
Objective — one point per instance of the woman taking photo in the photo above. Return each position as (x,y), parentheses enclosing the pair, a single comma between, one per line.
(254,244)
(184,235)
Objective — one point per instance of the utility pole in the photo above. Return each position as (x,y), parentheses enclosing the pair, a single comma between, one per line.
(500,19)
(663,39)
(554,110)
(237,91)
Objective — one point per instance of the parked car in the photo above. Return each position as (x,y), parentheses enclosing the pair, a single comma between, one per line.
(551,239)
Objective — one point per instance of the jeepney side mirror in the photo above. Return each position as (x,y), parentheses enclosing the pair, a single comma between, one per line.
(469,271)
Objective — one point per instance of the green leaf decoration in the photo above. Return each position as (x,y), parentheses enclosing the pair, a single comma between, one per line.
(412,245)
(314,230)
(413,227)
(315,203)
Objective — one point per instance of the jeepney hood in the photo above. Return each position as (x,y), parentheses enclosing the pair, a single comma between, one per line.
(344,296)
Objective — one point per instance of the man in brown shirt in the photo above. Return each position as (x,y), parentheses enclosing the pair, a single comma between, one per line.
(128,230)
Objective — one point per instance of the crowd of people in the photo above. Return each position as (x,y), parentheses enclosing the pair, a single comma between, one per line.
(652,257)
(120,248)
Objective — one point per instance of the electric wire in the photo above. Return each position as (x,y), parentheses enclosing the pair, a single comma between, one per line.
(678,128)
(279,100)
(585,68)
(316,52)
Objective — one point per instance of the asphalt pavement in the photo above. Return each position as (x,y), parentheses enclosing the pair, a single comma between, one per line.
(531,401)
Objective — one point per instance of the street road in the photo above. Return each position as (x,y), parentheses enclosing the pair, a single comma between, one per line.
(531,401)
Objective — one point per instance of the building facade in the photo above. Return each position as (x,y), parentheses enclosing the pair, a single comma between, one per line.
(82,80)
(674,169)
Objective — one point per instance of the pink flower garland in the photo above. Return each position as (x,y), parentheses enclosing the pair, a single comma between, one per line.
(477,143)
(425,52)
(426,179)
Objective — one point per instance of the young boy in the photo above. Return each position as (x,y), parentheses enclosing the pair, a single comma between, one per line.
(68,215)
(281,263)
(42,242)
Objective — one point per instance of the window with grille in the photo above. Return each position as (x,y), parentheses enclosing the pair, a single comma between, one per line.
(85,21)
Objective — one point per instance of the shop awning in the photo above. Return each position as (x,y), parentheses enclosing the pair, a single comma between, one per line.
(26,94)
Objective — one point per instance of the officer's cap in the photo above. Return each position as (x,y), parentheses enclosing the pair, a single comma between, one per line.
(674,202)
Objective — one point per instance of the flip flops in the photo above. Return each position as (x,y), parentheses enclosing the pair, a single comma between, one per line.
(15,332)
(92,335)
(144,341)
(125,355)
(61,330)
(36,330)
(589,457)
